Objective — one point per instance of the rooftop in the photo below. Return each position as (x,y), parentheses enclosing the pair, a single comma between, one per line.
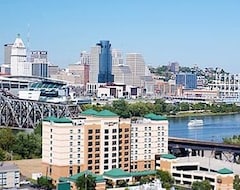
(58,120)
(7,166)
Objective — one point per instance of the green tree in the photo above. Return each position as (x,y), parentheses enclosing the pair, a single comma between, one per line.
(121,108)
(6,139)
(236,182)
(2,154)
(45,182)
(86,182)
(201,185)
(166,178)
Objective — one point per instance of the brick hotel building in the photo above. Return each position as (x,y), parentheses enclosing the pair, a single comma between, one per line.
(101,141)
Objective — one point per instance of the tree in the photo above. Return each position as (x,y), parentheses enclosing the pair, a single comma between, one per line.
(2,154)
(166,178)
(201,185)
(86,182)
(236,182)
(6,139)
(45,182)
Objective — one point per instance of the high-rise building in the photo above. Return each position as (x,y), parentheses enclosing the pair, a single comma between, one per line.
(94,64)
(84,58)
(187,80)
(105,63)
(174,67)
(137,66)
(117,58)
(101,141)
(39,63)
(7,54)
(19,64)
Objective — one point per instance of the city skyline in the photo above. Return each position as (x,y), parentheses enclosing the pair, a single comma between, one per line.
(200,32)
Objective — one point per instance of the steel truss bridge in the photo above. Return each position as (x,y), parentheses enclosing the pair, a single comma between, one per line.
(15,112)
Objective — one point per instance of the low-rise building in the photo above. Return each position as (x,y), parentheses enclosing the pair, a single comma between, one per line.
(9,175)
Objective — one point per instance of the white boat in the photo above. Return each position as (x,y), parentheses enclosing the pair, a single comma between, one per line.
(195,123)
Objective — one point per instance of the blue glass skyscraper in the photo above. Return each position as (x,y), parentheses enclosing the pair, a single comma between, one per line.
(188,80)
(105,63)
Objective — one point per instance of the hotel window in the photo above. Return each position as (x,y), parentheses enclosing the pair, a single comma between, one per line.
(126,159)
(149,156)
(89,149)
(105,167)
(50,142)
(90,131)
(145,151)
(149,128)
(51,130)
(126,147)
(145,140)
(114,154)
(162,150)
(79,137)
(71,137)
(79,149)
(145,128)
(145,145)
(114,130)
(149,151)
(149,140)
(162,144)
(114,136)
(78,155)
(106,137)
(105,161)
(114,142)
(159,134)
(79,130)
(70,155)
(97,148)
(162,133)
(98,137)
(105,155)
(159,128)
(70,162)
(50,154)
(114,160)
(125,165)
(114,148)
(126,135)
(136,151)
(89,161)
(125,153)
(106,131)
(106,143)
(97,161)
(79,143)
(71,131)
(71,149)
(126,141)
(136,146)
(150,134)
(136,134)
(97,155)
(71,143)
(50,148)
(50,136)
(90,137)
(89,167)
(97,143)
(97,131)
(114,166)
(106,149)
(126,129)
(90,156)
(149,145)
(96,167)
(163,139)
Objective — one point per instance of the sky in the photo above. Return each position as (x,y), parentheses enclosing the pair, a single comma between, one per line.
(205,33)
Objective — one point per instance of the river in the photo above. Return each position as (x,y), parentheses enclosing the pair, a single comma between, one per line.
(215,128)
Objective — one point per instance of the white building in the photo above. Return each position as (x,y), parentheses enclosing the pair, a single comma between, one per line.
(149,137)
(9,175)
(94,64)
(19,64)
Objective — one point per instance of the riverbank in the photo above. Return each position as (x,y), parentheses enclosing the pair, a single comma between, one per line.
(196,114)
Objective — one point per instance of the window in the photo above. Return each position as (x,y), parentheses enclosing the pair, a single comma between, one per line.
(126,135)
(106,131)
(70,155)
(79,143)
(145,128)
(106,149)
(105,155)
(105,167)
(79,130)
(51,130)
(50,136)
(96,161)
(114,142)
(71,137)
(71,143)
(96,167)
(105,161)
(106,143)
(114,154)
(89,161)
(89,167)
(78,155)
(149,128)
(71,149)
(71,131)
(70,162)
(79,149)
(97,155)
(89,155)
(90,137)
(126,141)
(98,137)
(89,143)
(89,149)
(114,148)
(90,131)
(97,148)
(114,130)
(79,137)
(106,137)
(114,136)
(114,160)
(97,131)
(97,143)
(126,129)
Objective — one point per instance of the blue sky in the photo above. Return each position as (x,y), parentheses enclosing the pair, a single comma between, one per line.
(202,32)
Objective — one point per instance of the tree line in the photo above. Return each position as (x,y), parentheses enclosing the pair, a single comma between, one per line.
(160,107)
(15,145)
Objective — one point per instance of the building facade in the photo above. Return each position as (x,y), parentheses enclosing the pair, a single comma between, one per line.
(19,64)
(187,80)
(101,141)
(39,63)
(105,63)
(9,175)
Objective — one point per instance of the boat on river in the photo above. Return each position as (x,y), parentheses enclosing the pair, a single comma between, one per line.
(195,123)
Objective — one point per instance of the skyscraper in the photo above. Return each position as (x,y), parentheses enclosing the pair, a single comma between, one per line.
(188,80)
(39,63)
(105,63)
(19,64)
(7,53)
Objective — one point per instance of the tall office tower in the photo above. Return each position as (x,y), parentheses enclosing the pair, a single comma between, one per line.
(149,137)
(105,64)
(137,66)
(174,67)
(84,58)
(122,74)
(39,63)
(187,80)
(7,54)
(117,58)
(94,64)
(19,64)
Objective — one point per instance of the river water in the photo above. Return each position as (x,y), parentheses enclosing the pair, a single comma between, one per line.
(215,128)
